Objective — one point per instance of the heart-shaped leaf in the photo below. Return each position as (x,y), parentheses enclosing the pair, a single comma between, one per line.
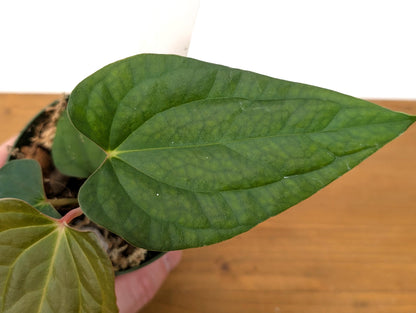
(73,153)
(22,179)
(197,152)
(46,266)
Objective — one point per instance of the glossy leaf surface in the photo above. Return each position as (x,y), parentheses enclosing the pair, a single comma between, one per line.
(73,153)
(22,179)
(48,267)
(198,153)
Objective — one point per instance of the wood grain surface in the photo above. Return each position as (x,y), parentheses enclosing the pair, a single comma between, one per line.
(349,248)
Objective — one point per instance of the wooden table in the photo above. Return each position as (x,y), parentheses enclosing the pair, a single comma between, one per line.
(349,248)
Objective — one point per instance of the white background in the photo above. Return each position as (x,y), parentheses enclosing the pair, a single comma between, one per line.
(51,45)
(365,48)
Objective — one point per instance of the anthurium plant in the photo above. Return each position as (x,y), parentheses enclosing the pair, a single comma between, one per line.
(178,153)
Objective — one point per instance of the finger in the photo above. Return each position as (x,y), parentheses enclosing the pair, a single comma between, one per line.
(5,149)
(135,289)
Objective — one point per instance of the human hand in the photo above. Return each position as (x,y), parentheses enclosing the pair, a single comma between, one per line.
(4,150)
(135,289)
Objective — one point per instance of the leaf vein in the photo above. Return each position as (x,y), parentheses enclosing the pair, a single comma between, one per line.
(49,274)
(11,266)
(147,213)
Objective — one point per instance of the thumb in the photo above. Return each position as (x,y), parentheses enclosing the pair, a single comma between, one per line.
(4,150)
(135,289)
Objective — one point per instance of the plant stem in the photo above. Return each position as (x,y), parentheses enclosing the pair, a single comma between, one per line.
(62,202)
(70,216)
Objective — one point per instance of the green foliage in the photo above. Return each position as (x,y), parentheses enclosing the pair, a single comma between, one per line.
(22,179)
(198,153)
(49,267)
(73,153)
(178,153)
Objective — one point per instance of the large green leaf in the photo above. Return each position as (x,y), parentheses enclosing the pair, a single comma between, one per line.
(73,153)
(46,266)
(197,152)
(22,179)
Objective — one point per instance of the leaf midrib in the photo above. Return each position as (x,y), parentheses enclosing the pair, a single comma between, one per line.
(116,153)
(61,233)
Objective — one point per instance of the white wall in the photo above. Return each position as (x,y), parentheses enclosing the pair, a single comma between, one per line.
(365,48)
(51,45)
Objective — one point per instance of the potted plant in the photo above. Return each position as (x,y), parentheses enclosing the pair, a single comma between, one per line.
(171,153)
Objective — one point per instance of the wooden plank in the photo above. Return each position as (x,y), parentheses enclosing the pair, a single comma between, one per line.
(16,110)
(349,248)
